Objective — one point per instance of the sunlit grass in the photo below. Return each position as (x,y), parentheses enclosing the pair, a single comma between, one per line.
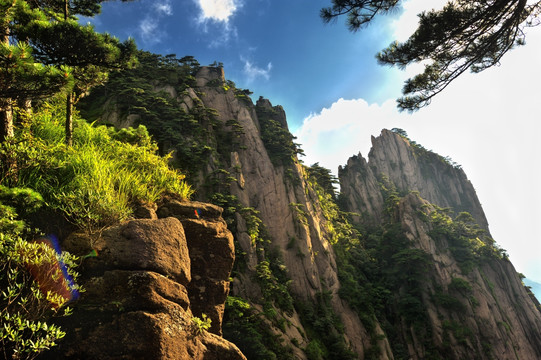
(98,180)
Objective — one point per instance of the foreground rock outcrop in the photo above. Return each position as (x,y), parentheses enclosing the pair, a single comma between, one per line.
(146,286)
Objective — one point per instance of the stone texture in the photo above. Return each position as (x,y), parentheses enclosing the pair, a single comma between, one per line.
(210,246)
(271,190)
(502,318)
(137,303)
(410,170)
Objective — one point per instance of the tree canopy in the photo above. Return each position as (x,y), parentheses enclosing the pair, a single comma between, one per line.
(463,35)
(56,53)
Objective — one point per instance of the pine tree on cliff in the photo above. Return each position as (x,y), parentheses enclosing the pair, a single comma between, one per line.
(464,35)
(65,42)
(21,76)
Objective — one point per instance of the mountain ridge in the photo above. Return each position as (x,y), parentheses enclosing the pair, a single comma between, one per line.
(390,275)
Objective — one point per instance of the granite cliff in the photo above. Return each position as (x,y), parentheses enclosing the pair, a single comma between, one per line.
(148,287)
(404,268)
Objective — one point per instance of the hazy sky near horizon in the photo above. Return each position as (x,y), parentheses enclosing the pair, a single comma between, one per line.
(336,96)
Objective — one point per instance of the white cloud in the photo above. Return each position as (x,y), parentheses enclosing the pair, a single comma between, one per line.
(253,72)
(217,10)
(406,24)
(148,27)
(164,7)
(217,14)
(487,122)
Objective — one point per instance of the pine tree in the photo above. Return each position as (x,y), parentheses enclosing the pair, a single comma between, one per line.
(66,42)
(464,35)
(21,76)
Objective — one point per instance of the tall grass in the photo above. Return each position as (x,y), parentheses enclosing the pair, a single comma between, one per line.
(98,180)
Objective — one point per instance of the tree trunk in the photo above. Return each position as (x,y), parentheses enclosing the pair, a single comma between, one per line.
(8,164)
(6,112)
(6,119)
(25,105)
(69,119)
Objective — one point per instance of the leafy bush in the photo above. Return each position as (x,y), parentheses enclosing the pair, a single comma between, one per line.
(98,180)
(25,308)
(277,139)
(201,324)
(247,328)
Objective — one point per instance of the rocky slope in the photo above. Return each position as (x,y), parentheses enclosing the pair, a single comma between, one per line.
(402,278)
(409,167)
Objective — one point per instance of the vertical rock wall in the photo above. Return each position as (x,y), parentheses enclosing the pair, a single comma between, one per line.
(146,285)
(490,315)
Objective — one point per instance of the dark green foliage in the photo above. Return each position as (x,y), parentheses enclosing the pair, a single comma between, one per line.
(275,292)
(315,350)
(449,302)
(429,156)
(469,244)
(459,331)
(464,35)
(460,285)
(22,77)
(137,92)
(25,311)
(323,177)
(247,328)
(359,13)
(277,139)
(324,328)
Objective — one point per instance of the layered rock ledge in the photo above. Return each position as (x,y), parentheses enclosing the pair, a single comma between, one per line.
(150,279)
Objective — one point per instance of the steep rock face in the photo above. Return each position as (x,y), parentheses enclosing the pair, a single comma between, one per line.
(211,261)
(410,168)
(489,315)
(287,206)
(469,299)
(139,292)
(246,162)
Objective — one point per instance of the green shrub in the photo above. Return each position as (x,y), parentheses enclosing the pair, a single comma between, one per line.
(98,180)
(201,324)
(460,285)
(25,308)
(247,328)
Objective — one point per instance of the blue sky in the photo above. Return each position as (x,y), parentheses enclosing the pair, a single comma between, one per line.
(279,49)
(336,96)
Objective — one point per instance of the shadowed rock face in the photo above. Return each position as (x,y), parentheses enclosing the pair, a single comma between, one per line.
(492,316)
(143,285)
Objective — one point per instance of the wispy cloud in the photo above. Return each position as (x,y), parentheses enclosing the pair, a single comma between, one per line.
(148,27)
(217,10)
(253,72)
(164,7)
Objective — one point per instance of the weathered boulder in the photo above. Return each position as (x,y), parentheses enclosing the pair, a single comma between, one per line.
(210,246)
(137,303)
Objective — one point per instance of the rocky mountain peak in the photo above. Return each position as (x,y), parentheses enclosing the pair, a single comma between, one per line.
(409,167)
(396,271)
(209,74)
